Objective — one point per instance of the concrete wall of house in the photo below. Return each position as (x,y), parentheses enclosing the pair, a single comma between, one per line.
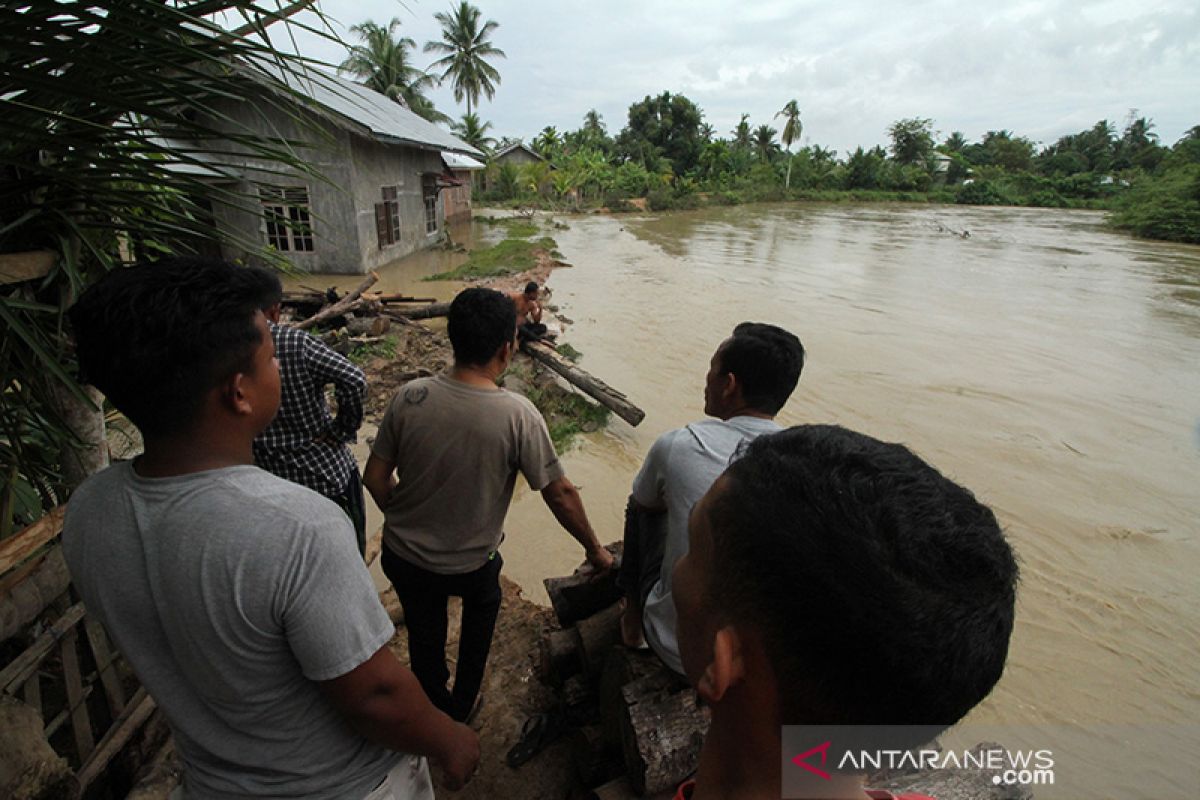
(458,198)
(331,204)
(376,166)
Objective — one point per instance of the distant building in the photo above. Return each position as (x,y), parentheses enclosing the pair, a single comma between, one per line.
(457,199)
(518,154)
(384,169)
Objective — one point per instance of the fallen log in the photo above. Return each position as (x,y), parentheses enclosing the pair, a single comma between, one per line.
(582,594)
(622,666)
(662,732)
(403,298)
(368,326)
(425,312)
(579,701)
(341,306)
(560,656)
(592,386)
(597,635)
(593,762)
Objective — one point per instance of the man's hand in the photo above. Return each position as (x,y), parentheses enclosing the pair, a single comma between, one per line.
(459,762)
(600,560)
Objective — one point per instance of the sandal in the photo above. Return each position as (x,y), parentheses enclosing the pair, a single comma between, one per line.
(537,733)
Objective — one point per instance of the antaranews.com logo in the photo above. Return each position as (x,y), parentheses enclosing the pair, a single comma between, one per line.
(813,757)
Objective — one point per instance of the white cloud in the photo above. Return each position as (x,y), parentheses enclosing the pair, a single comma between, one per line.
(1040,68)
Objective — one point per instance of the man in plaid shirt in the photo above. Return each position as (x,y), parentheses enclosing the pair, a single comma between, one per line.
(305,443)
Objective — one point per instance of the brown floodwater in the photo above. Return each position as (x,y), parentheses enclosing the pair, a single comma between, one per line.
(1048,364)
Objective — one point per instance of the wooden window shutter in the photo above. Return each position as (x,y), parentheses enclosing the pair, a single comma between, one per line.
(381,224)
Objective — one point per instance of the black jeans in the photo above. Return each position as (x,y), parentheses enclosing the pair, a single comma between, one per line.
(351,501)
(641,560)
(424,596)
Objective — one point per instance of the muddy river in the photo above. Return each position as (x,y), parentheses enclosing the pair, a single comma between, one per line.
(1048,364)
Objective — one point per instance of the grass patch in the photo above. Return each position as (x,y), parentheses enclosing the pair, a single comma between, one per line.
(570,353)
(505,258)
(514,227)
(360,354)
(567,414)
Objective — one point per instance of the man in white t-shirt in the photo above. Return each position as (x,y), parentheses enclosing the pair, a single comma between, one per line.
(238,597)
(750,377)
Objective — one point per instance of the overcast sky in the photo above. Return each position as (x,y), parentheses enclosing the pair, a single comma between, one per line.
(1040,68)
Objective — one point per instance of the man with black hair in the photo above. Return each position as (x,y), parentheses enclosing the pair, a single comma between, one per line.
(237,597)
(836,580)
(750,377)
(305,443)
(529,312)
(443,469)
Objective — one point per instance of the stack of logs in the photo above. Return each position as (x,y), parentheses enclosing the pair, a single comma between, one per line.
(638,728)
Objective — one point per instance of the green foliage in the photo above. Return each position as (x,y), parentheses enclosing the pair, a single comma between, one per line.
(465,48)
(567,414)
(1164,207)
(570,353)
(386,348)
(912,140)
(663,128)
(505,258)
(384,64)
(982,193)
(109,119)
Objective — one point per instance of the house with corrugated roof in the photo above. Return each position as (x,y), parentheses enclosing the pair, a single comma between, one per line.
(457,199)
(383,167)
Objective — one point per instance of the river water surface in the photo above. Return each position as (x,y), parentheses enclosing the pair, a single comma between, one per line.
(1050,365)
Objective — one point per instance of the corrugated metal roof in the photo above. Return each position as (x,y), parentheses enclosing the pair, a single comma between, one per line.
(456,161)
(386,119)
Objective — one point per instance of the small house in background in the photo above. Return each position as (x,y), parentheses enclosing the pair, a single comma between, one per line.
(457,199)
(383,196)
(518,154)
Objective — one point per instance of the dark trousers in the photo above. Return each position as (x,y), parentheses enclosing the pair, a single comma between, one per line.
(351,501)
(424,596)
(641,559)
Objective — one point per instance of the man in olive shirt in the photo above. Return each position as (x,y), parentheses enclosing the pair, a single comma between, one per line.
(442,469)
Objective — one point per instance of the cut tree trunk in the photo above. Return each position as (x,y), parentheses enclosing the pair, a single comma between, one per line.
(621,667)
(590,385)
(341,306)
(560,656)
(582,594)
(368,326)
(579,701)
(594,763)
(597,636)
(662,732)
(427,312)
(86,419)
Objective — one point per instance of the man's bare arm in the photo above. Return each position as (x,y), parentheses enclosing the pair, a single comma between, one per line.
(379,477)
(566,504)
(383,702)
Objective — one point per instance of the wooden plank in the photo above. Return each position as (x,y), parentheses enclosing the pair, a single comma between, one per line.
(24,665)
(341,306)
(105,660)
(589,384)
(22,545)
(61,717)
(19,267)
(81,721)
(33,692)
(140,707)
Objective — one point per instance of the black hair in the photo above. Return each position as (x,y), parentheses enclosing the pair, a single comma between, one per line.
(883,591)
(531,287)
(480,321)
(767,361)
(269,286)
(156,337)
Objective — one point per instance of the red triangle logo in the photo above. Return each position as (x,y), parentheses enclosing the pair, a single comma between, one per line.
(802,760)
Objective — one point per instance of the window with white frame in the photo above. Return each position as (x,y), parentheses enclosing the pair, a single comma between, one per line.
(429,192)
(288,218)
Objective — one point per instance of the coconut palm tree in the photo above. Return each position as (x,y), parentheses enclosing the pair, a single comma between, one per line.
(109,120)
(383,63)
(741,133)
(465,49)
(792,128)
(764,142)
(474,132)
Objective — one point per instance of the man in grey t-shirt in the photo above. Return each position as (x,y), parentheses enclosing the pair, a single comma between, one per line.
(443,470)
(238,598)
(750,377)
